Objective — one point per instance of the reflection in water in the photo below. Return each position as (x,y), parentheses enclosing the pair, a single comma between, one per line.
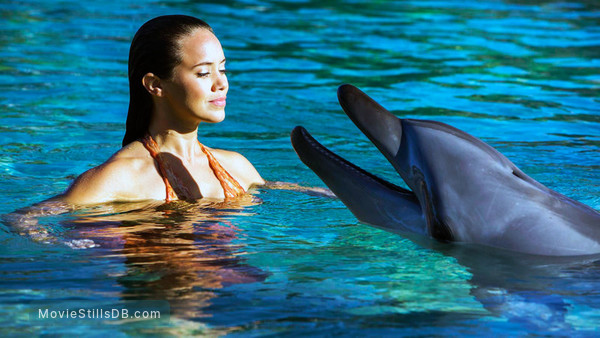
(180,252)
(533,291)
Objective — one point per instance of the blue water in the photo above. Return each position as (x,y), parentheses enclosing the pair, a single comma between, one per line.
(522,75)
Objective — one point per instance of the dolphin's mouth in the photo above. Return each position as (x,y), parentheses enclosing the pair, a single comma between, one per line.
(303,142)
(371,199)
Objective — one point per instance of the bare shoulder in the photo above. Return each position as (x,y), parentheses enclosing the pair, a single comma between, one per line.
(134,150)
(239,167)
(115,179)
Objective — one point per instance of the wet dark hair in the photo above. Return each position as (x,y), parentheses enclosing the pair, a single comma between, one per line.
(155,49)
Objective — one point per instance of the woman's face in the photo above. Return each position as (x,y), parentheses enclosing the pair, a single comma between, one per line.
(198,88)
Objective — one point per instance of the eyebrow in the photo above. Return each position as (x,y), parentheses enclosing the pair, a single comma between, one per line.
(208,63)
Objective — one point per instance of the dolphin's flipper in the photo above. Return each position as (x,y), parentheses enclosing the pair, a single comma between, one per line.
(371,199)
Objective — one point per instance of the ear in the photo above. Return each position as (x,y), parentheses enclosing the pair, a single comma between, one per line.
(152,84)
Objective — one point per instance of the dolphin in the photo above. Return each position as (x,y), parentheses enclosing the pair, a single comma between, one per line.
(461,189)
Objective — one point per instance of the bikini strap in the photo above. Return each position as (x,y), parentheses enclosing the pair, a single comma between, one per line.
(231,187)
(153,149)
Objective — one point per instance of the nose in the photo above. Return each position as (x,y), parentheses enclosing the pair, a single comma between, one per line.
(220,82)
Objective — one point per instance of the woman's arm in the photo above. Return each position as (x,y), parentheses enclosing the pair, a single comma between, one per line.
(97,185)
(25,222)
(315,191)
(245,173)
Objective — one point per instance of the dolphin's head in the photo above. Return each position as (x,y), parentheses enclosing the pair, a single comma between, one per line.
(461,189)
(439,163)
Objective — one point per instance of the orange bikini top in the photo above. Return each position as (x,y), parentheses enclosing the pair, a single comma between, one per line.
(231,187)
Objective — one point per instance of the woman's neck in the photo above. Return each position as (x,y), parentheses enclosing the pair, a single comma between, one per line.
(173,133)
(182,144)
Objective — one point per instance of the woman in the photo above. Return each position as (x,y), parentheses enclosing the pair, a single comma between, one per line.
(177,80)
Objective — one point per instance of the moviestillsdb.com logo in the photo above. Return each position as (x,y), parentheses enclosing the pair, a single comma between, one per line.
(139,310)
(97,314)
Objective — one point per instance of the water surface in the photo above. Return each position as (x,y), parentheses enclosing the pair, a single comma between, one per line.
(523,76)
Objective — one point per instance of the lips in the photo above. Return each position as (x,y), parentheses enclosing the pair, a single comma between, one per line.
(220,102)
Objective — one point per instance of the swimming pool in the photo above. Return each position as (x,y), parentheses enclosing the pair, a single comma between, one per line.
(523,76)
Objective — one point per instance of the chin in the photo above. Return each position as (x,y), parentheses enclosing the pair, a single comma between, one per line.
(214,117)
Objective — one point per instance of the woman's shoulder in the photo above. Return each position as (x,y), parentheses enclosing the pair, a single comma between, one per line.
(230,157)
(131,152)
(127,161)
(239,167)
(114,179)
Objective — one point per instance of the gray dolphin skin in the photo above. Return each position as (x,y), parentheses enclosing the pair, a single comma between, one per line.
(462,189)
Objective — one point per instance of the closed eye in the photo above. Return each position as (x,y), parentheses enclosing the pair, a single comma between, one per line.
(222,71)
